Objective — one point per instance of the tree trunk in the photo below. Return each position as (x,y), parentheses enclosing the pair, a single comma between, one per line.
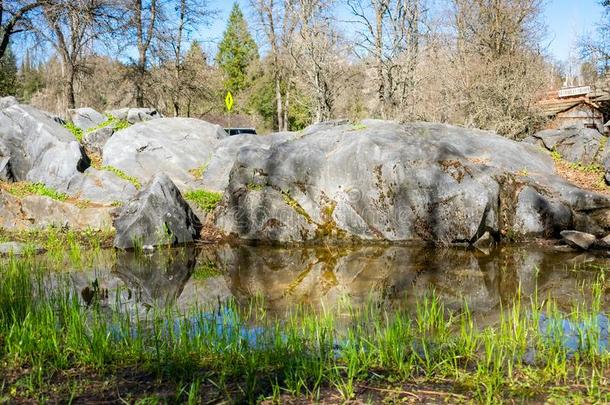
(278,100)
(69,87)
(286,106)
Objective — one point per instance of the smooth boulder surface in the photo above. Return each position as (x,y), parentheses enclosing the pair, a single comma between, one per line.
(157,215)
(221,161)
(402,182)
(574,144)
(86,118)
(175,146)
(39,149)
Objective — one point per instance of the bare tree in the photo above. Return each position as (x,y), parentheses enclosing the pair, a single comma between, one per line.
(144,18)
(173,36)
(15,17)
(316,53)
(498,68)
(597,48)
(275,20)
(72,26)
(390,36)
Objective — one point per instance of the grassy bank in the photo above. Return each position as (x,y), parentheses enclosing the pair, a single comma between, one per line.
(53,347)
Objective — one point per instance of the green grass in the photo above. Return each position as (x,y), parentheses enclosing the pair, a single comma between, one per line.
(23,189)
(48,335)
(111,121)
(206,200)
(123,175)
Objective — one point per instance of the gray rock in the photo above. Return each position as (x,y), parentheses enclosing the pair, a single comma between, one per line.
(221,161)
(86,118)
(38,212)
(157,215)
(6,173)
(175,146)
(94,141)
(575,144)
(40,149)
(101,186)
(18,248)
(577,239)
(135,115)
(400,182)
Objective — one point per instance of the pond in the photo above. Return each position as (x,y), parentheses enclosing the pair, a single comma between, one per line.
(321,277)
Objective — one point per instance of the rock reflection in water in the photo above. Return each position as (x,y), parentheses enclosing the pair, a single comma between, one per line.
(392,276)
(158,278)
(399,275)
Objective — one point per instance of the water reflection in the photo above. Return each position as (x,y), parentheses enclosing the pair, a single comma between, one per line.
(392,276)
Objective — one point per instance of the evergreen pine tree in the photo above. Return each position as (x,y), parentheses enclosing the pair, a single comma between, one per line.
(8,74)
(236,51)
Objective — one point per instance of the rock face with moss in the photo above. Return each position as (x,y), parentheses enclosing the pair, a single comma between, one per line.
(157,215)
(386,181)
(175,146)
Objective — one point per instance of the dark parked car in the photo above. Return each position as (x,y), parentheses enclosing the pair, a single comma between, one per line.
(238,131)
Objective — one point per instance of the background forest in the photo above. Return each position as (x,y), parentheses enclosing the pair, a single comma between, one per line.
(289,63)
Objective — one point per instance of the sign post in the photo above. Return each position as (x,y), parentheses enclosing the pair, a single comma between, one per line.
(229,105)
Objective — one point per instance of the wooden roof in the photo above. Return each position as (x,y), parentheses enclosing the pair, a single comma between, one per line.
(551,108)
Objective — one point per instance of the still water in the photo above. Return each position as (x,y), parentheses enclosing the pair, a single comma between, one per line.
(322,277)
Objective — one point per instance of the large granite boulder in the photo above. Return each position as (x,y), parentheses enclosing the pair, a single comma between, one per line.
(402,182)
(157,215)
(574,144)
(39,149)
(175,146)
(86,118)
(219,165)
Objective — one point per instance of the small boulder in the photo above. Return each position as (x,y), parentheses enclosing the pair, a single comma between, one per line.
(86,118)
(157,215)
(580,240)
(94,141)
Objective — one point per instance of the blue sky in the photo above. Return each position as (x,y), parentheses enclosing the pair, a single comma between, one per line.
(566,20)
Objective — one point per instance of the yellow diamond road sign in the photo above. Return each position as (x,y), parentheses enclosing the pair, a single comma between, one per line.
(229,101)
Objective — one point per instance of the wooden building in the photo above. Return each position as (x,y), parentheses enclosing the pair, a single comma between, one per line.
(575,106)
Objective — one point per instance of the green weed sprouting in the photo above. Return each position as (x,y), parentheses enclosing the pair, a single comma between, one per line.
(206,200)
(111,121)
(23,189)
(76,131)
(121,174)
